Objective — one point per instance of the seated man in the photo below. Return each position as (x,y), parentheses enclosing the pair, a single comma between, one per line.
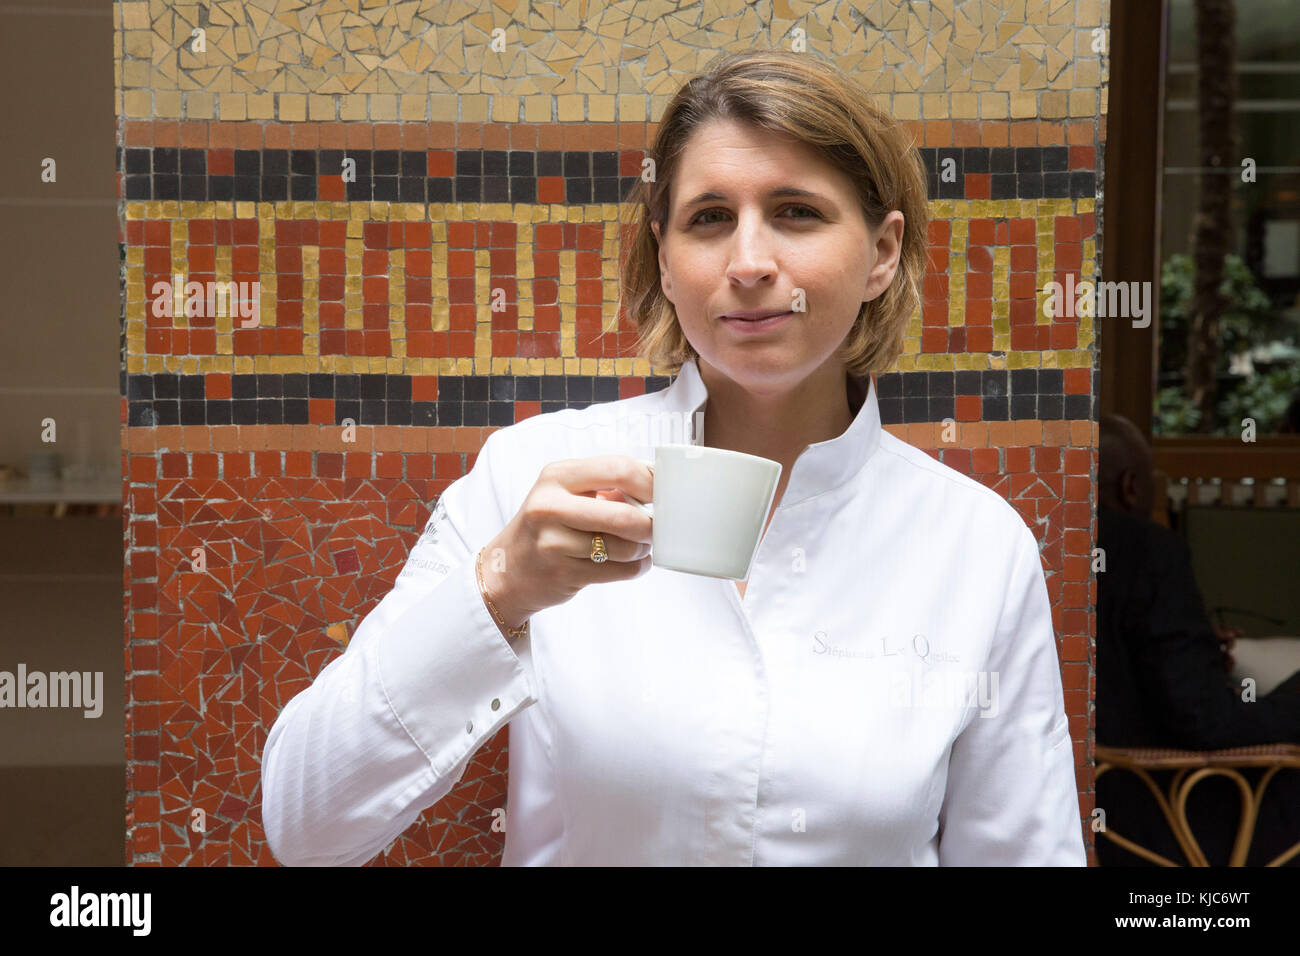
(1162,679)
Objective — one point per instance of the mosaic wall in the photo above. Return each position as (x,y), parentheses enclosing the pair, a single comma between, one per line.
(476,170)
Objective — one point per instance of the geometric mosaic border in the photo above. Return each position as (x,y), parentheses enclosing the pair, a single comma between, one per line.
(403,288)
(571,176)
(502,400)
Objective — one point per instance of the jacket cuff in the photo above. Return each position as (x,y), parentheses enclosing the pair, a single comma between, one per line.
(450,676)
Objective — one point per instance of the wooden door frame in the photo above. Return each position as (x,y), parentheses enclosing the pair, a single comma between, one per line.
(1131,216)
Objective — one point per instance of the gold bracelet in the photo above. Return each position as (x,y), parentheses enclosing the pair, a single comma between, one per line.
(511,632)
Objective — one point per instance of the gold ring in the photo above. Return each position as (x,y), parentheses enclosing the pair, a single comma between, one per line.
(598,553)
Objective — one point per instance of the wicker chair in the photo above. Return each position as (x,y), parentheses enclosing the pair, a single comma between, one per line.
(1190,767)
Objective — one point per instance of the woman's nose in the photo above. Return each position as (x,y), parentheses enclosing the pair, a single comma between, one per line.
(751,253)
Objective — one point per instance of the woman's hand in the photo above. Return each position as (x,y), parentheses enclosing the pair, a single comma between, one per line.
(543,555)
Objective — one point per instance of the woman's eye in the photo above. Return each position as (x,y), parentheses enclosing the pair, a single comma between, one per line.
(706,212)
(807,209)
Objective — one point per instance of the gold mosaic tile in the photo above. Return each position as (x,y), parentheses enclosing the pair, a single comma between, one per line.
(1042,214)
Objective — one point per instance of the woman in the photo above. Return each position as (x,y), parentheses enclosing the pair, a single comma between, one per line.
(883,689)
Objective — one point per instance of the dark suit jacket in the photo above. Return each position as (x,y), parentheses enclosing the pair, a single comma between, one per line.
(1160,674)
(1161,683)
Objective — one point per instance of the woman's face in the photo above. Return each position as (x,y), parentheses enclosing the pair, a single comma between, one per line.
(752,244)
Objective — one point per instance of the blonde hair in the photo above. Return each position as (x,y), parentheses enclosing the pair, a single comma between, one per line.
(820,106)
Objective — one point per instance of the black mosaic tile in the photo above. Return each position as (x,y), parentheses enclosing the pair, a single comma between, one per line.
(375,399)
(1083,184)
(248,162)
(993,383)
(469,162)
(889,386)
(511,175)
(397,388)
(166,186)
(167,413)
(275,162)
(397,411)
(347,387)
(295,386)
(138,160)
(940,384)
(1078,406)
(1055,158)
(193,413)
(975,159)
(191,388)
(139,387)
(166,385)
(385,162)
(270,411)
(968,382)
(1029,159)
(1051,406)
(1024,406)
(941,407)
(345,409)
(951,160)
(891,411)
(166,159)
(1002,186)
(527,389)
(605,389)
(424,414)
(244,411)
(440,189)
(995,410)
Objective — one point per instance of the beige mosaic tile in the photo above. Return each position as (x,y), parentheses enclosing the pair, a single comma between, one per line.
(592,60)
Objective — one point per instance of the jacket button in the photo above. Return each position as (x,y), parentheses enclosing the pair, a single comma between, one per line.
(496,703)
(469,727)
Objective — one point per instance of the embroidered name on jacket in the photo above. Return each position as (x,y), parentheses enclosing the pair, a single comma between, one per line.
(910,681)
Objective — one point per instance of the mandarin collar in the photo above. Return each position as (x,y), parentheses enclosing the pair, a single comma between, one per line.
(822,465)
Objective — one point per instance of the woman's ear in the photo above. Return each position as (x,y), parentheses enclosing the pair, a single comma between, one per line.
(887,249)
(665,280)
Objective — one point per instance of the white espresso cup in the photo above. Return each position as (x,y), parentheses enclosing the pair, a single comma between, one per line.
(709,509)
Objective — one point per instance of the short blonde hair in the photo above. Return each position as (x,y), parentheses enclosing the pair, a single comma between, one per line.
(820,106)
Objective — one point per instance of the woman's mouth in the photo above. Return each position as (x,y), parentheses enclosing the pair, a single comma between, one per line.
(749,326)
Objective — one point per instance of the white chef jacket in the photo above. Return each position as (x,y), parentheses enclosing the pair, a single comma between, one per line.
(887,692)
